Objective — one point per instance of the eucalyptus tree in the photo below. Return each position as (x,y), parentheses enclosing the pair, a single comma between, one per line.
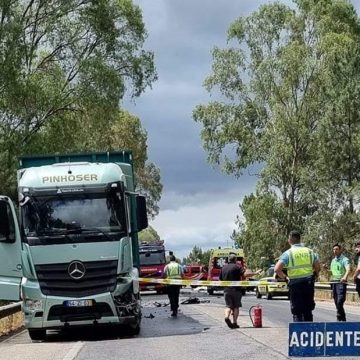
(261,235)
(337,165)
(339,133)
(65,59)
(198,256)
(275,86)
(149,235)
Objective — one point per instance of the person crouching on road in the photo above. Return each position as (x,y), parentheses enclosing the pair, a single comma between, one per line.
(340,269)
(232,295)
(173,270)
(303,268)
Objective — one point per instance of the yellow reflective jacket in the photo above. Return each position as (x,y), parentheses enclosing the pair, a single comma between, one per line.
(173,270)
(301,261)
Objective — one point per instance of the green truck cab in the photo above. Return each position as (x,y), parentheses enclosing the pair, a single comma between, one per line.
(71,255)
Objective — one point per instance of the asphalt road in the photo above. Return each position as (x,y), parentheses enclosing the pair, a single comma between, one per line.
(199,332)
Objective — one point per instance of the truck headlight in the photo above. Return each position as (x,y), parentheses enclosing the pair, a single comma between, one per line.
(33,305)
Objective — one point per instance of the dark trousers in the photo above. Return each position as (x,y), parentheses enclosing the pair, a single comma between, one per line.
(173,294)
(302,300)
(339,295)
(357,283)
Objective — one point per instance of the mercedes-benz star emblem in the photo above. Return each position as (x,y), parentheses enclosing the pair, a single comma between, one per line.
(77,270)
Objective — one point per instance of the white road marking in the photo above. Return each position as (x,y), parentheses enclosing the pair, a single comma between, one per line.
(74,351)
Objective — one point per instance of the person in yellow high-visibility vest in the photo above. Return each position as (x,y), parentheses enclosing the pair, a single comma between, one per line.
(303,268)
(173,270)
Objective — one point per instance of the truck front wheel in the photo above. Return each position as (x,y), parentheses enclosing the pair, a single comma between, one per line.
(37,334)
(133,329)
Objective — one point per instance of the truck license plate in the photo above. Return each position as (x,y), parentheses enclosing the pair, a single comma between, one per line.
(77,303)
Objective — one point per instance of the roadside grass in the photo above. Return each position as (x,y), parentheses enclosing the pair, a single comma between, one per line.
(11,323)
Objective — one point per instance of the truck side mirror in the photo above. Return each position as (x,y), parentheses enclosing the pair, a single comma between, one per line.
(141,214)
(7,225)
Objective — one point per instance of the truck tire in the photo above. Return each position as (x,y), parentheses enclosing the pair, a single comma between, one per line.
(258,295)
(37,334)
(268,295)
(133,330)
(210,291)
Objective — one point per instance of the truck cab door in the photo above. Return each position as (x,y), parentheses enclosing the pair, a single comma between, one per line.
(10,251)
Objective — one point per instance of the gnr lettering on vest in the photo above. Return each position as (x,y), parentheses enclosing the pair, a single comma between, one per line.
(301,255)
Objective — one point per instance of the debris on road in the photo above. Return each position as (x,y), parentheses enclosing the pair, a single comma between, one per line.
(194,300)
(157,304)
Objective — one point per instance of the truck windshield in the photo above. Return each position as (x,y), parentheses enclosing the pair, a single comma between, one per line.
(46,215)
(152,258)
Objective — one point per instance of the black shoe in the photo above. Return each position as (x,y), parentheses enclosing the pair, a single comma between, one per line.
(174,313)
(229,323)
(235,326)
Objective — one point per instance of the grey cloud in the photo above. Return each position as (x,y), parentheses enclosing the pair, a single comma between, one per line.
(182,33)
(174,200)
(175,146)
(201,16)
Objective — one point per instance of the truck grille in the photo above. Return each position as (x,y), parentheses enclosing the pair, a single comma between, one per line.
(100,277)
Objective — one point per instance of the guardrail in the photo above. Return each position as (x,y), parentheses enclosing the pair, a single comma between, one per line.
(10,309)
(326,286)
(323,292)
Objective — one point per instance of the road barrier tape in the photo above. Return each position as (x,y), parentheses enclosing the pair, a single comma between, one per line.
(243,283)
(187,282)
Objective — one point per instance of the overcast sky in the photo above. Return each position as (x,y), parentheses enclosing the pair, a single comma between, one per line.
(199,204)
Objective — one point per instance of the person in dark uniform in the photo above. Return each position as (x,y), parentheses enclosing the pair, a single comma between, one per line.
(232,295)
(303,268)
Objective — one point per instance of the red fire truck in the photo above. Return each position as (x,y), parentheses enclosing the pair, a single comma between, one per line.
(152,263)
